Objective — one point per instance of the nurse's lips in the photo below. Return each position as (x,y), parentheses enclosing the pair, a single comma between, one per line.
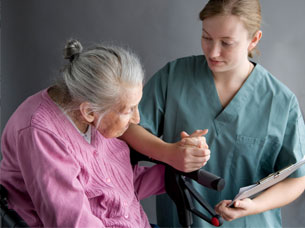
(215,62)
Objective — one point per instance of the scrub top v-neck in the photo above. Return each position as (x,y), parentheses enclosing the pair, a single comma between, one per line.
(260,131)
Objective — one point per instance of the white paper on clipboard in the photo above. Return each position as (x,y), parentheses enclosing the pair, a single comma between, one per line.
(273,178)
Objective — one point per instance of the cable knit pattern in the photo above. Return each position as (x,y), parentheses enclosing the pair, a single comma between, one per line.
(56,179)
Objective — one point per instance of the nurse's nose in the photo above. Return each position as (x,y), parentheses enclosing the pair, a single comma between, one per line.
(215,50)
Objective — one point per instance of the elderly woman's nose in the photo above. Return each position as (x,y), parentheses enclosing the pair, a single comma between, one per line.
(135,117)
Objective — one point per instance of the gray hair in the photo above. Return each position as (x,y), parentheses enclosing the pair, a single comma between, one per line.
(98,75)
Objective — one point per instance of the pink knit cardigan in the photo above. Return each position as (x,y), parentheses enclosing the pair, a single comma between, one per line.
(55,178)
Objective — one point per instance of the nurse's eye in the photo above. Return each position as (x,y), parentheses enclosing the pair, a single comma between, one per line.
(226,44)
(206,38)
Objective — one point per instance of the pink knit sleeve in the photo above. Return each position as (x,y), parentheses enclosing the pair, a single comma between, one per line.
(50,175)
(149,180)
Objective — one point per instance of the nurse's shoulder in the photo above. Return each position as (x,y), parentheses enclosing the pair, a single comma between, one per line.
(271,86)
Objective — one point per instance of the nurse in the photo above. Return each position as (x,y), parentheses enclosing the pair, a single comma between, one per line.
(254,121)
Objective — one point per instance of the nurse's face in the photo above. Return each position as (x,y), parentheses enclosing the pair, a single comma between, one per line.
(116,121)
(225,42)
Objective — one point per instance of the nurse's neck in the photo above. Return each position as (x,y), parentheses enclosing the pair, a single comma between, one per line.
(236,76)
(228,83)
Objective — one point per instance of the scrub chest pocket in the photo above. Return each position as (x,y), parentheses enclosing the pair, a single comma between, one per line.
(254,158)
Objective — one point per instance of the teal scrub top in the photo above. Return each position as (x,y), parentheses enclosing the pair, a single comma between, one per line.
(259,132)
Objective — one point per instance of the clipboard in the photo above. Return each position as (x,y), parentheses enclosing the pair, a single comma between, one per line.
(271,179)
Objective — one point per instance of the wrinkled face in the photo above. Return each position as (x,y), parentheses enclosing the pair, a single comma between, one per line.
(224,42)
(115,122)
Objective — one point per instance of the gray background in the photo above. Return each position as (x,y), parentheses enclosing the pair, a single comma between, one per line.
(33,33)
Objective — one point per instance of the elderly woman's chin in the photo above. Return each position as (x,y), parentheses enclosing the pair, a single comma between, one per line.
(119,133)
(113,133)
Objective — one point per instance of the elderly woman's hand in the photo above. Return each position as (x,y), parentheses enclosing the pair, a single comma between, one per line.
(191,152)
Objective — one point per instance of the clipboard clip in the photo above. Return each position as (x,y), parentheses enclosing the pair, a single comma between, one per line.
(274,175)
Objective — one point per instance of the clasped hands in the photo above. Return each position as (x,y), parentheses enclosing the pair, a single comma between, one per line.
(191,152)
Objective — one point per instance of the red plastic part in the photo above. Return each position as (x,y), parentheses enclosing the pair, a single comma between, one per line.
(215,221)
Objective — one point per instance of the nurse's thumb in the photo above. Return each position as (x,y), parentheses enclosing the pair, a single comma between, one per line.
(205,131)
(183,134)
(242,204)
(199,133)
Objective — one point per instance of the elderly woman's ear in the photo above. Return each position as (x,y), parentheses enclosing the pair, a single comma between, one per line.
(86,111)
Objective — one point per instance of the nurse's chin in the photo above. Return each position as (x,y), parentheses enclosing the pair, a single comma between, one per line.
(217,69)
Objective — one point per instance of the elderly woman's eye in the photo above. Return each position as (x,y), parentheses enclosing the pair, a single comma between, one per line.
(129,111)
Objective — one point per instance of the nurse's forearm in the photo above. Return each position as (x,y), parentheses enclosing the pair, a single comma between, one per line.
(187,155)
(280,194)
(146,143)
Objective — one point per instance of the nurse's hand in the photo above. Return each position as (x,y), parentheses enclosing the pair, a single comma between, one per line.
(241,208)
(192,151)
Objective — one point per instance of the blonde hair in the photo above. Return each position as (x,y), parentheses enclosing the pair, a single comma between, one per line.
(249,11)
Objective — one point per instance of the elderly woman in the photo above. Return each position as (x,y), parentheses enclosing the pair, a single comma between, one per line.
(62,163)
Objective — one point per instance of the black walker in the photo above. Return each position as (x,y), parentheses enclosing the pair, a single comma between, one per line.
(9,218)
(179,188)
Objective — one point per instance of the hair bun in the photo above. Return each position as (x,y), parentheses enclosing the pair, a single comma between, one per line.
(72,49)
